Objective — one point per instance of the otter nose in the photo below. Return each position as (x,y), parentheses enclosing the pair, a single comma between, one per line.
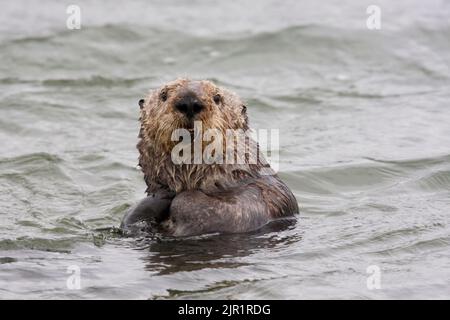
(189,105)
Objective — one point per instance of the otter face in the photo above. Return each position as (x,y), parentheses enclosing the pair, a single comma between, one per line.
(180,103)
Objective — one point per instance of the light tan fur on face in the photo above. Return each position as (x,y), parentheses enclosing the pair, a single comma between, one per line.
(160,118)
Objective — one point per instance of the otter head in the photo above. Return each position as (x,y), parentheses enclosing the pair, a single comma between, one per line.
(180,103)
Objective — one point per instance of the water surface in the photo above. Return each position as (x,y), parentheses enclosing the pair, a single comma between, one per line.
(364,122)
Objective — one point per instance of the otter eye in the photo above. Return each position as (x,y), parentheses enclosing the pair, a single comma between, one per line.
(163,95)
(244,109)
(141,103)
(217,98)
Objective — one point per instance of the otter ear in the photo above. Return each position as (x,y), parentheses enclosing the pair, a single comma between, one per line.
(244,115)
(141,103)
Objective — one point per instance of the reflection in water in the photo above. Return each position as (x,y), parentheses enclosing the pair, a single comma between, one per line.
(172,255)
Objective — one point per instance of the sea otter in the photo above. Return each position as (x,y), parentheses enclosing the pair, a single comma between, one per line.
(191,198)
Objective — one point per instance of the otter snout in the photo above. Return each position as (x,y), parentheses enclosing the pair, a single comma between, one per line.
(189,104)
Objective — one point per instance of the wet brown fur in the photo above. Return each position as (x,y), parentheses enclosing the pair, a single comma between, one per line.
(208,197)
(159,119)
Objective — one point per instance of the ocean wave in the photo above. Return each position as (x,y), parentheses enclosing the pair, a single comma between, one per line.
(145,52)
(31,158)
(96,80)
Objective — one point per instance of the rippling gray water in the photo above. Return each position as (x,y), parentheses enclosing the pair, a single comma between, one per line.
(364,121)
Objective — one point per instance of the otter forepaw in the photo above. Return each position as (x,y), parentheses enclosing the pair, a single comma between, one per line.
(147,213)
